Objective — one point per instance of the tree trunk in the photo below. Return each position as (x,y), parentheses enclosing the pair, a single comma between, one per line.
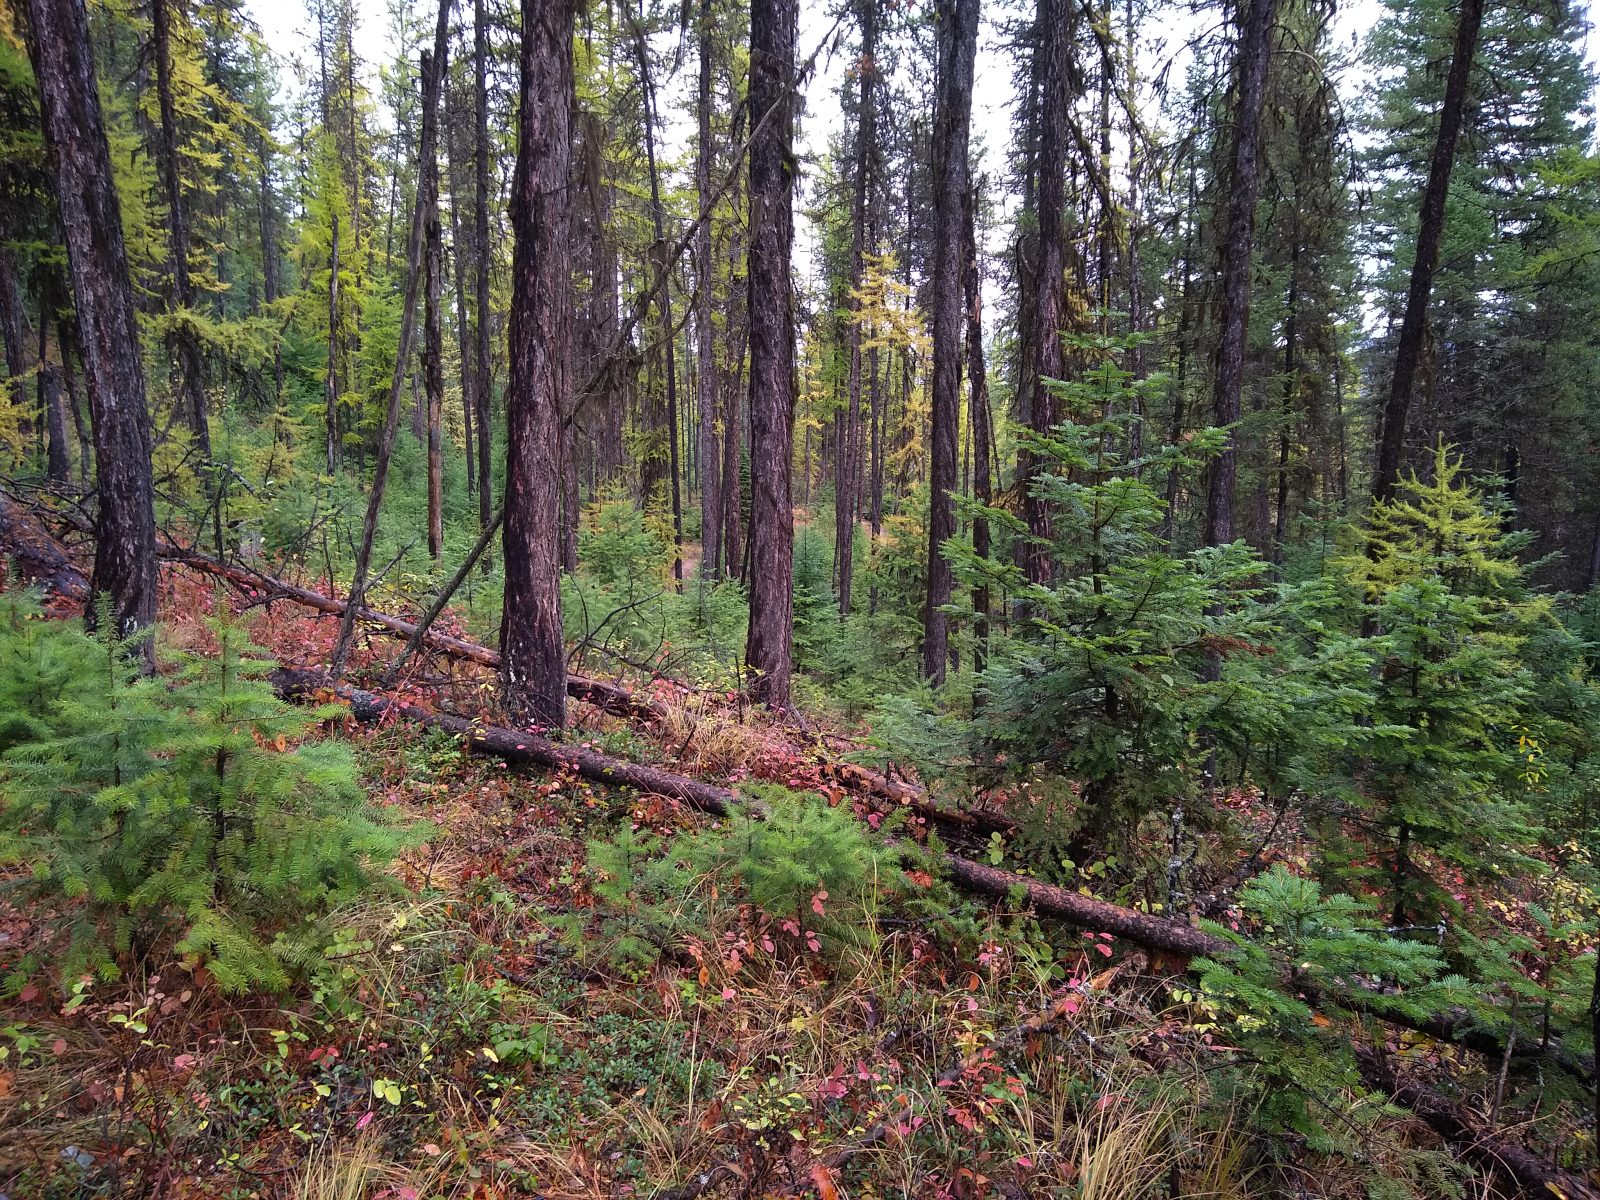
(59,457)
(1046,313)
(659,254)
(269,259)
(705,341)
(480,249)
(533,667)
(74,135)
(978,414)
(1280,532)
(1243,180)
(733,417)
(11,329)
(434,66)
(772,48)
(433,352)
(185,345)
(330,393)
(957,31)
(463,261)
(1430,228)
(847,482)
(70,380)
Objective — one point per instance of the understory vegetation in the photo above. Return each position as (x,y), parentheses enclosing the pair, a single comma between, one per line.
(257,949)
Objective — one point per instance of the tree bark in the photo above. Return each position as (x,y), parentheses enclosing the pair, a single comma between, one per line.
(957,33)
(533,667)
(58,455)
(462,253)
(847,483)
(484,373)
(330,393)
(668,339)
(1430,229)
(185,345)
(74,135)
(11,329)
(433,71)
(705,339)
(269,257)
(433,349)
(768,654)
(979,415)
(1243,182)
(1046,313)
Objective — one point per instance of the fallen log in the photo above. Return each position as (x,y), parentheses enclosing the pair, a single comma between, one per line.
(1154,933)
(36,554)
(608,697)
(1484,1146)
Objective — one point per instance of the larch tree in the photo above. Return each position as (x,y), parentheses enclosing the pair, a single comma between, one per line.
(957,32)
(768,650)
(108,332)
(533,659)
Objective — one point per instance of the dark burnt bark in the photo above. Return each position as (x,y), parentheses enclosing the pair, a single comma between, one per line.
(80,161)
(533,666)
(772,396)
(979,415)
(1430,229)
(11,328)
(1238,239)
(183,341)
(957,31)
(1046,314)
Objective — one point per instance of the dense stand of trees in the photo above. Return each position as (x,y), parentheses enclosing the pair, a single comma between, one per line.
(623,314)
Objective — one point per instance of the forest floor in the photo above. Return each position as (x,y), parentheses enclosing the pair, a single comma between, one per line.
(474,1032)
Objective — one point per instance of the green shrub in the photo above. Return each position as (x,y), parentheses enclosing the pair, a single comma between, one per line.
(178,807)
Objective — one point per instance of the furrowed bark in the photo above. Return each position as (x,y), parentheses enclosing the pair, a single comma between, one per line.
(533,662)
(75,139)
(1244,175)
(957,24)
(768,653)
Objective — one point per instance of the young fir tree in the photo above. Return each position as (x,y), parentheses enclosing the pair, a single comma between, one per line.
(1434,781)
(179,813)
